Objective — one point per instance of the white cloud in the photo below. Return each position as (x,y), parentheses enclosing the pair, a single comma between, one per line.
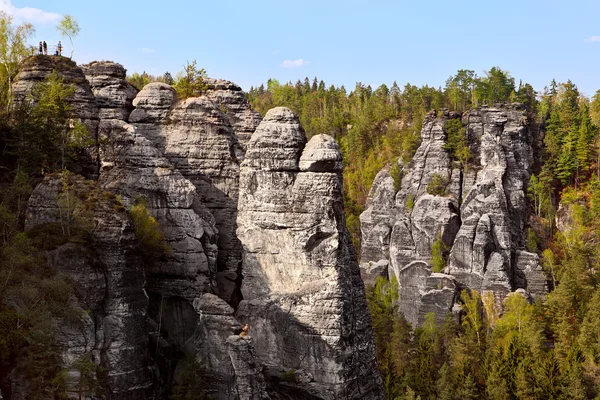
(294,63)
(592,39)
(147,50)
(29,14)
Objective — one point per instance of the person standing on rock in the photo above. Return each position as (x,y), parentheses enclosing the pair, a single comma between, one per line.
(45,48)
(59,48)
(40,49)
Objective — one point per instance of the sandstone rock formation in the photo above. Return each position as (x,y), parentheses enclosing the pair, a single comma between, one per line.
(303,296)
(197,139)
(235,108)
(114,95)
(134,169)
(480,219)
(108,276)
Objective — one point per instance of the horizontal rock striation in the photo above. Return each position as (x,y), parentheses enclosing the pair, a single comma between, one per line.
(303,297)
(235,108)
(114,95)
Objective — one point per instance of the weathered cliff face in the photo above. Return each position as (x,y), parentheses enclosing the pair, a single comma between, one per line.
(197,138)
(34,70)
(235,108)
(114,95)
(133,168)
(481,217)
(106,270)
(303,296)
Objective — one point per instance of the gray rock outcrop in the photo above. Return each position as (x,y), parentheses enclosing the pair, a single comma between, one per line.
(310,333)
(133,168)
(250,382)
(480,217)
(114,95)
(235,108)
(107,273)
(303,297)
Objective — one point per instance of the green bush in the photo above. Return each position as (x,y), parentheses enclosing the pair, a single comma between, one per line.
(438,254)
(533,241)
(410,201)
(437,185)
(456,143)
(396,174)
(148,233)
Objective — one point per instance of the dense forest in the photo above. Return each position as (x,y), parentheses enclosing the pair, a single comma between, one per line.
(546,350)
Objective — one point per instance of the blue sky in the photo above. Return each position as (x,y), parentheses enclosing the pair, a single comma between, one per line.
(341,42)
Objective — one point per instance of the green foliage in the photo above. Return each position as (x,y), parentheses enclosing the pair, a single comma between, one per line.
(456,143)
(90,381)
(289,376)
(437,185)
(68,26)
(533,241)
(13,50)
(75,219)
(42,136)
(151,239)
(138,80)
(396,174)
(32,299)
(190,82)
(410,201)
(439,254)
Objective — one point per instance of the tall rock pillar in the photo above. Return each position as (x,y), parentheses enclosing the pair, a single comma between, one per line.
(304,299)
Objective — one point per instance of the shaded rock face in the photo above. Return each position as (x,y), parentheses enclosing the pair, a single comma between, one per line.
(480,219)
(250,383)
(108,277)
(303,297)
(134,168)
(198,140)
(424,292)
(377,220)
(114,95)
(35,69)
(209,343)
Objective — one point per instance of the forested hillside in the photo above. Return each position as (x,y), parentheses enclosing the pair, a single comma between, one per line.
(541,350)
